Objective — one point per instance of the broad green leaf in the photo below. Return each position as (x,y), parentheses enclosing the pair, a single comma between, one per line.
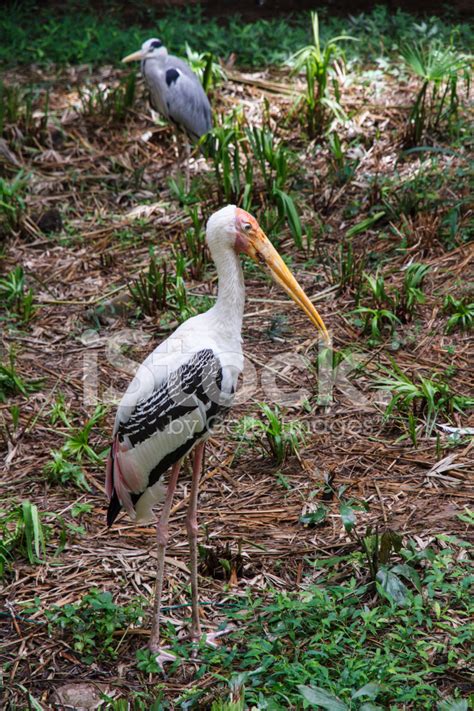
(392,586)
(313,518)
(406,571)
(467,517)
(453,705)
(431,149)
(371,690)
(34,537)
(364,225)
(318,697)
(288,208)
(454,540)
(348,517)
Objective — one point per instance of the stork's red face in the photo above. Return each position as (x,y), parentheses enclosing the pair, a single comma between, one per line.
(251,240)
(248,233)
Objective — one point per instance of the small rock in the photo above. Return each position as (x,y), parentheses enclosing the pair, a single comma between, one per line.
(79,697)
(50,221)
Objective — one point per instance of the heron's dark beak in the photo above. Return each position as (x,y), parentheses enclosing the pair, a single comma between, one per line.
(134,57)
(260,249)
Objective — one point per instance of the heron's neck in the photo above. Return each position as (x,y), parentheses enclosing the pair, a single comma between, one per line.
(229,308)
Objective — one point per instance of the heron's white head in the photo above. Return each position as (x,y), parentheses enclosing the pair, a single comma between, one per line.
(151,49)
(232,228)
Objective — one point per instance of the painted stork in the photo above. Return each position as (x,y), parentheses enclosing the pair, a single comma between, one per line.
(175,91)
(182,389)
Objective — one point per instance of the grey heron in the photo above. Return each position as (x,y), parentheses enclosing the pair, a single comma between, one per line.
(175,90)
(182,390)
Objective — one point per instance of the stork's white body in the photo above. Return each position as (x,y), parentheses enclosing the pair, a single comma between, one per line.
(219,331)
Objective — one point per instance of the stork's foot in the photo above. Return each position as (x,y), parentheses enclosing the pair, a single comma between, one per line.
(210,638)
(162,656)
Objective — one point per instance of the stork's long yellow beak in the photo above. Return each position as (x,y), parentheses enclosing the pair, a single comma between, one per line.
(135,56)
(264,251)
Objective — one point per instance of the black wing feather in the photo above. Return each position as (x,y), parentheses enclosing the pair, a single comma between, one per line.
(195,383)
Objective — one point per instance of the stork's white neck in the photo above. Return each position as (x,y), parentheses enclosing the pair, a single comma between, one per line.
(229,308)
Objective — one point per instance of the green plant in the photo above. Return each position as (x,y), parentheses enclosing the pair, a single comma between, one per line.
(389,310)
(379,317)
(411,294)
(12,383)
(360,654)
(462,313)
(184,194)
(93,621)
(364,224)
(318,64)
(195,244)
(77,438)
(272,157)
(178,289)
(342,168)
(287,210)
(376,321)
(210,73)
(409,197)
(437,100)
(82,37)
(15,296)
(222,705)
(58,412)
(10,105)
(150,700)
(9,425)
(65,464)
(319,698)
(348,268)
(81,508)
(60,470)
(149,290)
(12,202)
(220,561)
(281,439)
(376,287)
(378,549)
(21,533)
(17,112)
(99,101)
(422,397)
(233,174)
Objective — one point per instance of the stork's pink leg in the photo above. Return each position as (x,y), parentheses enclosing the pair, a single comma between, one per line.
(192,529)
(162,534)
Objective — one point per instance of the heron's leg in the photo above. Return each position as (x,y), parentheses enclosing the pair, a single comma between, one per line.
(162,539)
(178,143)
(187,159)
(192,529)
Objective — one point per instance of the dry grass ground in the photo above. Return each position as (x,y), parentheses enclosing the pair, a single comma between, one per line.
(94,172)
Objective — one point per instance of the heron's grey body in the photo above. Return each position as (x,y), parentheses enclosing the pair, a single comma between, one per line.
(175,91)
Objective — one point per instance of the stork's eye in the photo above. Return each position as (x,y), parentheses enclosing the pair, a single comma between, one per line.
(247,226)
(156,44)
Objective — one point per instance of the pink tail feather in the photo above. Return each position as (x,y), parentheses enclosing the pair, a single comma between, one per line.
(119,475)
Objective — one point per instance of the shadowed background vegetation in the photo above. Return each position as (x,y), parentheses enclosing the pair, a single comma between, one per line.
(76,34)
